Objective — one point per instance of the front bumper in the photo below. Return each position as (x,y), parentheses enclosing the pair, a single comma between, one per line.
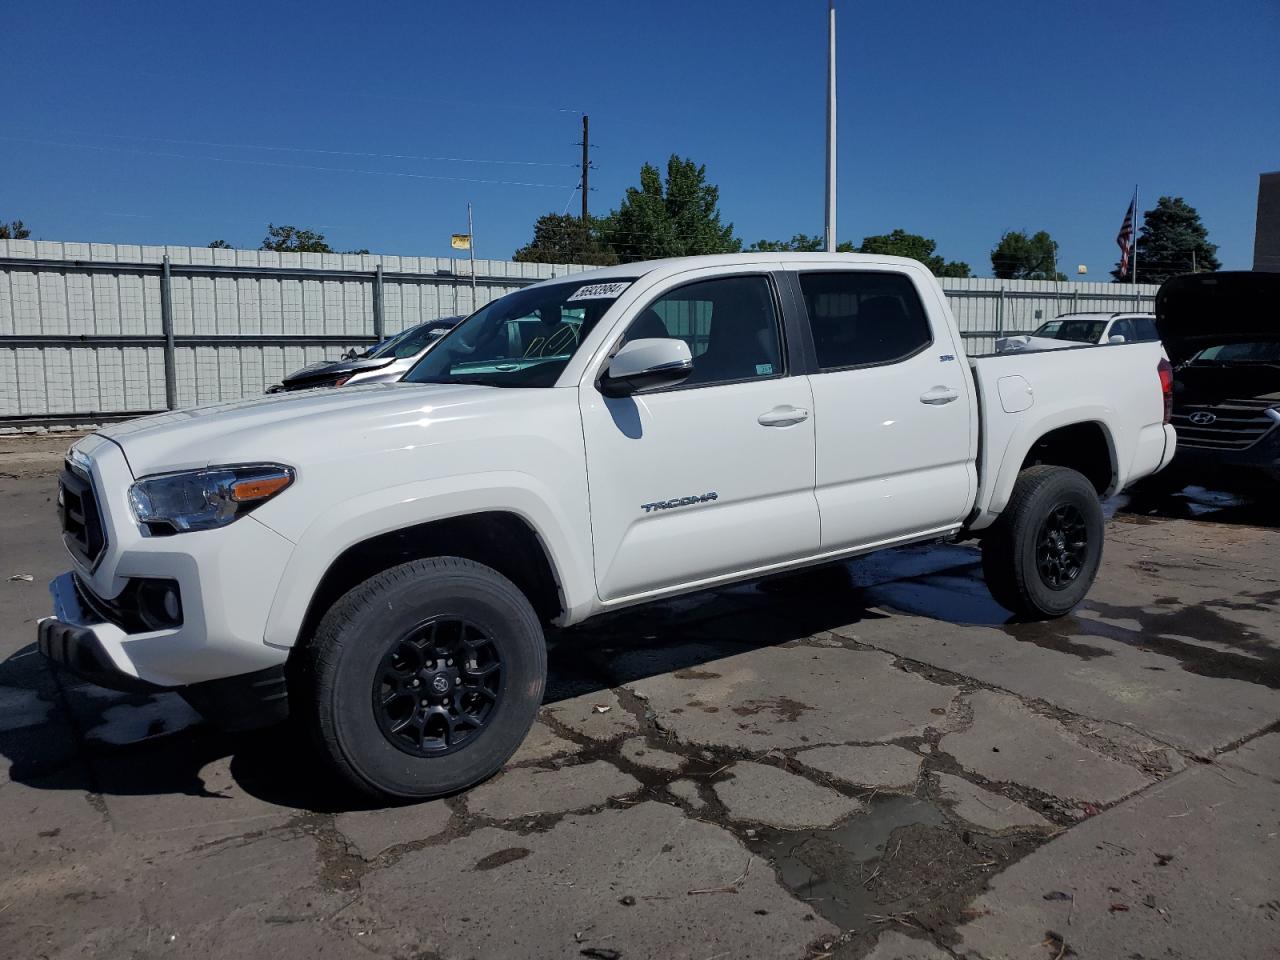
(72,641)
(92,651)
(226,578)
(1256,466)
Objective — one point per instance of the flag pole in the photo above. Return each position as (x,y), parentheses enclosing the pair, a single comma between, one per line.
(1134,265)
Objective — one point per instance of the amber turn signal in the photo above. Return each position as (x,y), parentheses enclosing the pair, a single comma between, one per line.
(260,488)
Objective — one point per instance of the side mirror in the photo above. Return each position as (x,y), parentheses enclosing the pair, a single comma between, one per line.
(1116,338)
(645,364)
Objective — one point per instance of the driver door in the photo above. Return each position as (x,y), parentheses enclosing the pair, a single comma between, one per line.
(713,476)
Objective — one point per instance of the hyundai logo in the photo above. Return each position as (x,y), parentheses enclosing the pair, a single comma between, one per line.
(1202,418)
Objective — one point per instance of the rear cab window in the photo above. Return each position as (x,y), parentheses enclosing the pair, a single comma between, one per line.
(863,318)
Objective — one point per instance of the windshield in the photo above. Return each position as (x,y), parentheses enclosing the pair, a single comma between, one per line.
(524,339)
(1079,331)
(1266,351)
(411,342)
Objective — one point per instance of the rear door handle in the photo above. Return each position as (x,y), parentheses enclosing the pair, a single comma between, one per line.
(783,416)
(939,395)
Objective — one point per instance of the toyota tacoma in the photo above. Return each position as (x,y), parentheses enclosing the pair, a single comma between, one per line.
(381,561)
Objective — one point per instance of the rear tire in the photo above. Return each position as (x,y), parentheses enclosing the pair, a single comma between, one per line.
(425,678)
(1041,556)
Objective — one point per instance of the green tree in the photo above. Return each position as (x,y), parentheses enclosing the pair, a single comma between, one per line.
(1021,257)
(220,245)
(290,239)
(1172,241)
(560,238)
(678,220)
(899,243)
(800,243)
(14,230)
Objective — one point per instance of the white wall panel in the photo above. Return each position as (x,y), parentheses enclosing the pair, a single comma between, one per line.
(112,378)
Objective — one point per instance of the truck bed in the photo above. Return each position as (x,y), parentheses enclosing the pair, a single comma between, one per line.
(1023,395)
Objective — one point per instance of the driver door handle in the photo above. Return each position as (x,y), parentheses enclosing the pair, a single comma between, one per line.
(783,416)
(939,395)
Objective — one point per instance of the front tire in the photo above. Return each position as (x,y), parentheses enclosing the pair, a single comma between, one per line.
(1041,557)
(425,678)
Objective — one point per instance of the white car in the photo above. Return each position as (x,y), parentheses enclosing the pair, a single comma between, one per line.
(384,558)
(1074,329)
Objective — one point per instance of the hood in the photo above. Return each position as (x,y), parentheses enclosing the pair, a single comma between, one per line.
(1200,310)
(283,426)
(331,370)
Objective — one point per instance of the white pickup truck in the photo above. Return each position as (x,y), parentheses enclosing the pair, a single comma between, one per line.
(384,559)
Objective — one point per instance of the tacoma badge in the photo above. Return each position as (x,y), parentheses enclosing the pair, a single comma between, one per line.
(678,502)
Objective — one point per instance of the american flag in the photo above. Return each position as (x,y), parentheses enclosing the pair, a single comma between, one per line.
(1124,239)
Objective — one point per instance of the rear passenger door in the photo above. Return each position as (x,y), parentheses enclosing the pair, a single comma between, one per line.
(892,407)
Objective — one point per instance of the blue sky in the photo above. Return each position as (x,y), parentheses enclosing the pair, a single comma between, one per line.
(141,122)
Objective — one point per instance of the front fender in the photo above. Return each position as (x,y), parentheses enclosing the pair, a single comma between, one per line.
(360,518)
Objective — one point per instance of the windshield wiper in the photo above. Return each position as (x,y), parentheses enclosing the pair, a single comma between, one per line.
(466,381)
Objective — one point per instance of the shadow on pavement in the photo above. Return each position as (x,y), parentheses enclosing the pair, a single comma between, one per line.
(1224,505)
(58,733)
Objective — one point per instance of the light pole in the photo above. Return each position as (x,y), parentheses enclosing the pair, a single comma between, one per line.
(831,127)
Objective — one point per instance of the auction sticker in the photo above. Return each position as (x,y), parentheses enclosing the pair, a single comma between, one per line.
(599,291)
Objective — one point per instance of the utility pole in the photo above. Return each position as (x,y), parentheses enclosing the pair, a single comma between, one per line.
(586,165)
(471,234)
(831,127)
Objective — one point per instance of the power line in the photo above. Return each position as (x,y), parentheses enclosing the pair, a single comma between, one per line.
(281,164)
(337,153)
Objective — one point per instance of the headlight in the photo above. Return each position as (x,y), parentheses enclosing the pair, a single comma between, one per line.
(205,499)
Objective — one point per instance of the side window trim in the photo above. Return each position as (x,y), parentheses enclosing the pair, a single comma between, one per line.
(803,310)
(784,354)
(801,353)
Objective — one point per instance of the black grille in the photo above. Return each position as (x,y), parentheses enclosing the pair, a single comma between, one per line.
(78,512)
(1229,425)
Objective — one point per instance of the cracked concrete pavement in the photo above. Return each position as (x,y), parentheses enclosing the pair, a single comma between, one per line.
(866,760)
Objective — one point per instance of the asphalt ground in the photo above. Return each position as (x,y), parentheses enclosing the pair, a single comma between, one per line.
(866,760)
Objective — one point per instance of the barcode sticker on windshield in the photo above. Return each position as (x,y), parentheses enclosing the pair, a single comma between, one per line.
(599,291)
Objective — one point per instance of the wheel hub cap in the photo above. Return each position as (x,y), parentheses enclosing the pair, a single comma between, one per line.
(1062,546)
(437,686)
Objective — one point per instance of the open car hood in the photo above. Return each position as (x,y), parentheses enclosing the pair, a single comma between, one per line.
(1199,310)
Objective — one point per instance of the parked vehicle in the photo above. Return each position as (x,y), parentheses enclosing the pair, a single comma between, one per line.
(390,554)
(387,361)
(1221,332)
(1073,329)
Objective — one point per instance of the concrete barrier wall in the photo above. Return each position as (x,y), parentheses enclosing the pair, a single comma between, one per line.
(82,325)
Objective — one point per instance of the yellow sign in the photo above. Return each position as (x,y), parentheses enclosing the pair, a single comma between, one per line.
(461,241)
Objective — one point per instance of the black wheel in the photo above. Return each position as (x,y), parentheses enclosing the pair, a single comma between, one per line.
(1041,556)
(425,678)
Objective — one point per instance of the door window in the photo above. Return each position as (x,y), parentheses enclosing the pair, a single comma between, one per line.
(1146,329)
(730,325)
(1122,328)
(860,318)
